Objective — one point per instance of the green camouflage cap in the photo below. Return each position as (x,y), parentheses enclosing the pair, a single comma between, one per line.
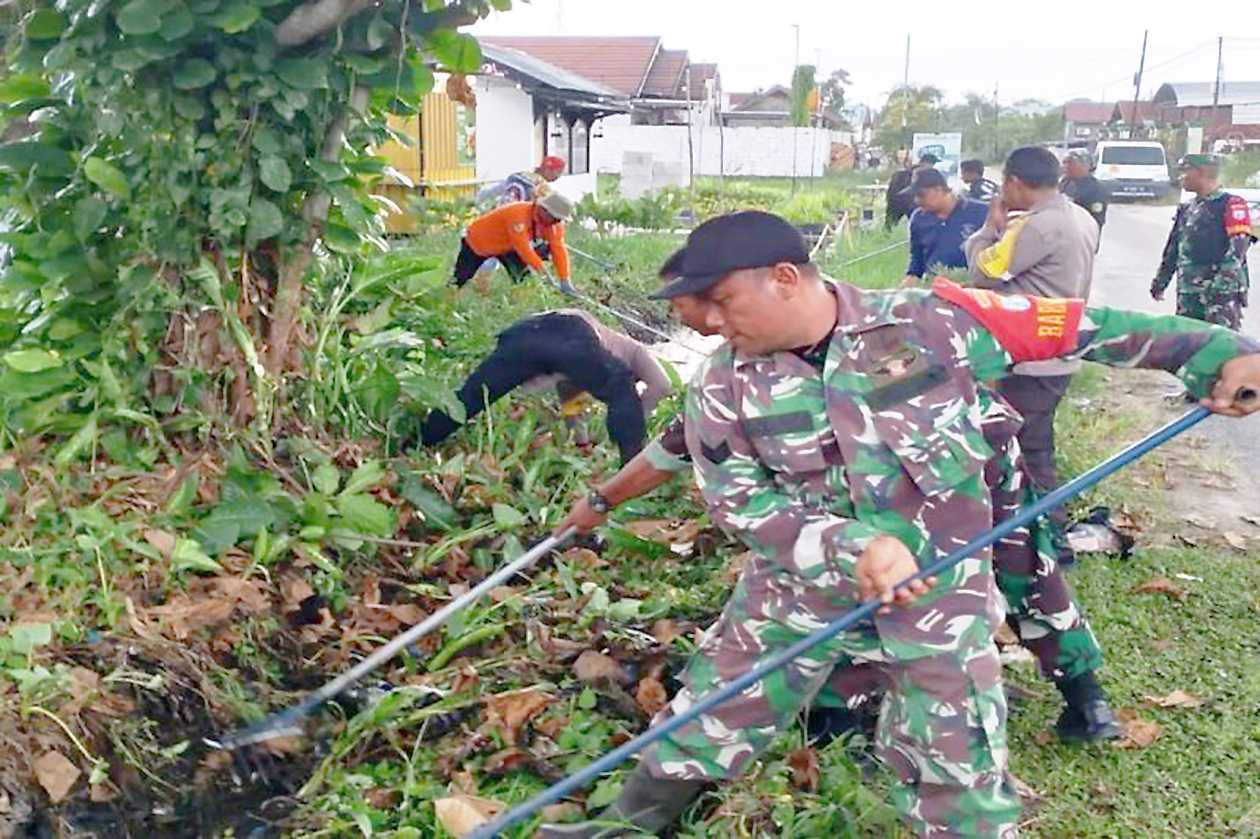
(1193,161)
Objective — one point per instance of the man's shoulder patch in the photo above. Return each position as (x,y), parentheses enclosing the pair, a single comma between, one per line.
(518,227)
(1237,216)
(1029,328)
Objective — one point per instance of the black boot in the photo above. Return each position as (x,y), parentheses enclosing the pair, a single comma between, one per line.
(826,724)
(646,805)
(1087,717)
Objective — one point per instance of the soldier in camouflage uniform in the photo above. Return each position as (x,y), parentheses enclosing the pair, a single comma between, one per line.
(1207,248)
(1040,606)
(839,434)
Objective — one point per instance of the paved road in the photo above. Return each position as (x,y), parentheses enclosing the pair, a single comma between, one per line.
(1132,243)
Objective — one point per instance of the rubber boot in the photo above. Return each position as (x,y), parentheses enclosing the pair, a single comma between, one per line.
(1087,717)
(826,724)
(646,805)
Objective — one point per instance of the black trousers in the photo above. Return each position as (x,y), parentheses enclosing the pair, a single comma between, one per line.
(542,345)
(1037,398)
(468,261)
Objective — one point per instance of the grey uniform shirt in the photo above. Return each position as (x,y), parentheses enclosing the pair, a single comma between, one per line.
(1047,251)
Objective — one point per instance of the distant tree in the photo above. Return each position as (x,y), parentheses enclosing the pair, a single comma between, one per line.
(909,109)
(802,87)
(832,90)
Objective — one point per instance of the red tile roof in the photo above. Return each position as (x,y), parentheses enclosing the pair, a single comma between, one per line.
(621,63)
(1146,111)
(1090,112)
(665,77)
(699,74)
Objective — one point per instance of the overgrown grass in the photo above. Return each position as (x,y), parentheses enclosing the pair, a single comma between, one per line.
(103,560)
(1198,778)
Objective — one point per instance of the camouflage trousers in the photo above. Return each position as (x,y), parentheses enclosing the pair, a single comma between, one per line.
(1221,306)
(942,726)
(1041,608)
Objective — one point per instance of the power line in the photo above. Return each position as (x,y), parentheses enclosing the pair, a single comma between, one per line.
(1164,63)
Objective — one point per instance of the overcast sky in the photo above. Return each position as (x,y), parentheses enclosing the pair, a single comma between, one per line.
(1048,51)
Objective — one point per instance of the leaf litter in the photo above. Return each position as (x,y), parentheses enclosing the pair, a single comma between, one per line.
(1162,585)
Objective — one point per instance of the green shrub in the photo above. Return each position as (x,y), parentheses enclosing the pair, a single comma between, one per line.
(1241,169)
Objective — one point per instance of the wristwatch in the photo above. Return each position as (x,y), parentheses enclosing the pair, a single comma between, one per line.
(598,502)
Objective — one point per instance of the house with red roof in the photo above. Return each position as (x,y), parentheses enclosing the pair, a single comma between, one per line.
(1086,120)
(661,84)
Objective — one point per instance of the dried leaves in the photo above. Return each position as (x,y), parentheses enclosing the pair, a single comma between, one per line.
(806,773)
(509,712)
(665,631)
(594,668)
(461,814)
(56,774)
(1176,699)
(1138,733)
(1162,585)
(650,696)
(1235,540)
(207,603)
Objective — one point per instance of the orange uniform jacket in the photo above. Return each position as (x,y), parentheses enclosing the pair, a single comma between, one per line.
(511,228)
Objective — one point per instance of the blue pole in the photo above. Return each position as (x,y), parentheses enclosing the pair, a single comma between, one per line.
(1053,499)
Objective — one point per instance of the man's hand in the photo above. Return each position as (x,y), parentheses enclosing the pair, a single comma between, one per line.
(1237,392)
(1157,293)
(997,215)
(567,288)
(886,562)
(910,281)
(583,517)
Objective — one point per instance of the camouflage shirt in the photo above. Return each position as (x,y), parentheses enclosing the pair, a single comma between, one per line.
(1207,246)
(807,468)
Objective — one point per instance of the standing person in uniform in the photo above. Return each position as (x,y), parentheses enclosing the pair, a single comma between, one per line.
(513,234)
(900,197)
(1047,251)
(939,226)
(1080,185)
(896,204)
(1041,607)
(838,434)
(1207,247)
(979,188)
(569,350)
(524,186)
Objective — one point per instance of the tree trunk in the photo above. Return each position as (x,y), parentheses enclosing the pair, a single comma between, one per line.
(294,267)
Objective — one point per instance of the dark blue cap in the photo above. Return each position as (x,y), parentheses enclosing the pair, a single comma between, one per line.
(747,239)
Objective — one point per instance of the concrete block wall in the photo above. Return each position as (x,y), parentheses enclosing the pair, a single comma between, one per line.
(746,151)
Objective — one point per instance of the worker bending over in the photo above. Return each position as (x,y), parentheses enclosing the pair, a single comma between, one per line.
(569,350)
(521,236)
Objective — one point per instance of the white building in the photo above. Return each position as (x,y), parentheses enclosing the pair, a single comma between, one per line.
(528,109)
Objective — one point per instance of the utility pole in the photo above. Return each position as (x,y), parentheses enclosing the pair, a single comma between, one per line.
(1216,91)
(1137,88)
(817,116)
(996,113)
(905,86)
(796,63)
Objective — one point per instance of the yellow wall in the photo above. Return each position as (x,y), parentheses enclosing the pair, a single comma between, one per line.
(432,163)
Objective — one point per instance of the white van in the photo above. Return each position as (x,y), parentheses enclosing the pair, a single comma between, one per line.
(1132,168)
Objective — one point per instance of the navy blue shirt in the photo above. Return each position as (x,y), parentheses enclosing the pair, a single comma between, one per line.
(939,241)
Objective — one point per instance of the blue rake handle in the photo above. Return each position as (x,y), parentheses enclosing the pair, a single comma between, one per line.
(1053,499)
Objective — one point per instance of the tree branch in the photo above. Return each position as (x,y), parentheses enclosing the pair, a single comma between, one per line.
(318,17)
(315,18)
